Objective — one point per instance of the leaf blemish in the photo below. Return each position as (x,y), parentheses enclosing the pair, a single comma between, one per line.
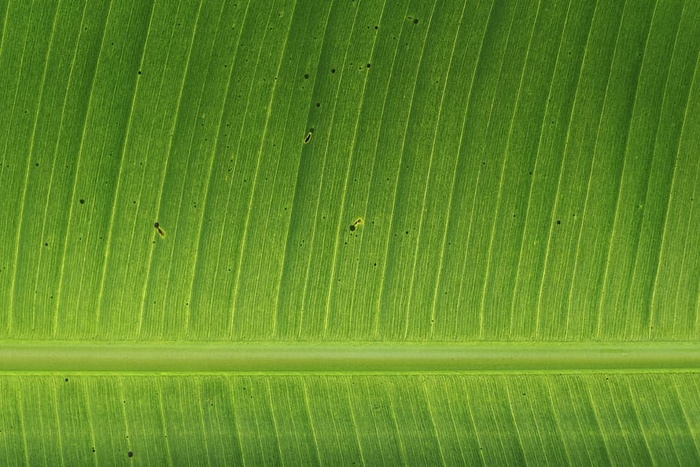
(160,230)
(354,225)
(308,136)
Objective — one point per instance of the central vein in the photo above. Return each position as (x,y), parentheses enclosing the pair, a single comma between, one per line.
(346,357)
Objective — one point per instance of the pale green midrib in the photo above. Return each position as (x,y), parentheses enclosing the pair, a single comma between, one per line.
(345,357)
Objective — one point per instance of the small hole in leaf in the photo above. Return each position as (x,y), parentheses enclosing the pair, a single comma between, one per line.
(357,222)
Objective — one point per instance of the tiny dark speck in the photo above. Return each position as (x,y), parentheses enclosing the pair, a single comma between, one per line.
(369,65)
(156,225)
(130,454)
(82,201)
(318,104)
(46,244)
(37,164)
(558,222)
(139,71)
(415,21)
(306,76)
(352,228)
(332,70)
(66,380)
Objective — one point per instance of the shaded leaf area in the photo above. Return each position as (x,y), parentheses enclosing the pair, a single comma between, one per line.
(523,171)
(593,419)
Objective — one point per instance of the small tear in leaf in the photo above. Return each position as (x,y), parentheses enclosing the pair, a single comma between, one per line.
(354,225)
(160,230)
(308,136)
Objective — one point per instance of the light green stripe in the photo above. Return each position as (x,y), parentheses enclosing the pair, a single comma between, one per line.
(333,357)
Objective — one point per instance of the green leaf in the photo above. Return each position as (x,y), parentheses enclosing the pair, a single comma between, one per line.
(350,232)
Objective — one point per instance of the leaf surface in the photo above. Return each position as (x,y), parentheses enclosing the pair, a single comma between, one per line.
(350,232)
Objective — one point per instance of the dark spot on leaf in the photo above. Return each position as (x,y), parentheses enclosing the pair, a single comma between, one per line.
(332,70)
(306,76)
(130,454)
(318,104)
(369,65)
(66,380)
(82,201)
(161,232)
(558,221)
(415,21)
(46,244)
(354,225)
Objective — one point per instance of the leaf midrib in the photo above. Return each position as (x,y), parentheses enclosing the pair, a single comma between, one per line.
(262,357)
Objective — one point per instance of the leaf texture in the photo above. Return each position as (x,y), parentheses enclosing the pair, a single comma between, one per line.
(216,173)
(595,419)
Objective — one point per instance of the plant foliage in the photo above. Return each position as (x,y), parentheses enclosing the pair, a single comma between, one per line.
(337,173)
